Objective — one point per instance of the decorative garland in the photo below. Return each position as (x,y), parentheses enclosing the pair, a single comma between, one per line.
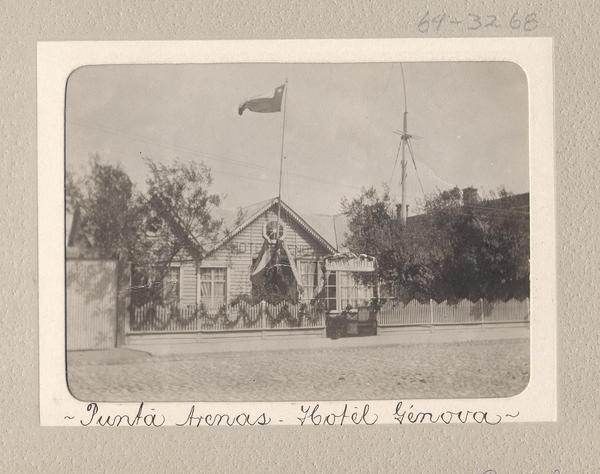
(312,316)
(284,314)
(248,321)
(223,314)
(228,315)
(208,319)
(238,306)
(177,315)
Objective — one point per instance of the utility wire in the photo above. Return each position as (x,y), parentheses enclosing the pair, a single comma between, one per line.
(210,156)
(395,164)
(412,155)
(142,139)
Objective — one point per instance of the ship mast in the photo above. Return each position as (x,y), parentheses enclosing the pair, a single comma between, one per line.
(404,137)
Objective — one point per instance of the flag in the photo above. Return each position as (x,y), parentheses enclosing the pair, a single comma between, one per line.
(275,268)
(264,105)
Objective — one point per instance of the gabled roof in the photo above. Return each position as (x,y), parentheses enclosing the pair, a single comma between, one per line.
(262,207)
(332,227)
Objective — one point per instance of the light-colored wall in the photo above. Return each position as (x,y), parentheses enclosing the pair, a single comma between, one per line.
(91,304)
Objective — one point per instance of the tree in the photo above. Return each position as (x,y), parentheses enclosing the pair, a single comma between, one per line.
(404,255)
(461,247)
(171,219)
(110,210)
(178,206)
(488,254)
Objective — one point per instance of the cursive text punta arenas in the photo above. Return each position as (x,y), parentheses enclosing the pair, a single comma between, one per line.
(140,419)
(223,419)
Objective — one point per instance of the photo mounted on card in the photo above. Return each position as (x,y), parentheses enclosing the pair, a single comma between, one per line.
(301,232)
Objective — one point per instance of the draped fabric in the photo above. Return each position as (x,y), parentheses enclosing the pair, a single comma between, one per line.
(274,273)
(260,266)
(322,277)
(292,265)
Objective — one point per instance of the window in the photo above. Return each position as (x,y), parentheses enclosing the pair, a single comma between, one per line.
(170,285)
(331,292)
(352,292)
(309,278)
(213,288)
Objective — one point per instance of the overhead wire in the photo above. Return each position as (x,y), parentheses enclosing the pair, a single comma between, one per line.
(207,155)
(412,155)
(395,164)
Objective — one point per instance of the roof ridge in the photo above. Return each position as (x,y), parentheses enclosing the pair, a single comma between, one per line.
(268,204)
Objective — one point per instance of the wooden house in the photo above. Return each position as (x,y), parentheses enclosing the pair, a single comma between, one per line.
(225,271)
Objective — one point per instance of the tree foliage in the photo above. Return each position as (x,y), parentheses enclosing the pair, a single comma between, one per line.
(457,249)
(178,209)
(109,205)
(171,218)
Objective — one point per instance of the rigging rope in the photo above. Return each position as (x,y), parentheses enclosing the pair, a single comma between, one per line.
(415,165)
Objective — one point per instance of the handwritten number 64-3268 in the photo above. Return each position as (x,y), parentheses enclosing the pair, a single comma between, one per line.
(474,21)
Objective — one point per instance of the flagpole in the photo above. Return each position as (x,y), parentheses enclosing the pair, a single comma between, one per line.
(281,157)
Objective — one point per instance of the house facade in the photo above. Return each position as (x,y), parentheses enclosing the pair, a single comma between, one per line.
(311,242)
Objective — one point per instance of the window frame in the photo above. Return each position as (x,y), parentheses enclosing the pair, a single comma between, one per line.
(368,290)
(212,282)
(334,298)
(306,260)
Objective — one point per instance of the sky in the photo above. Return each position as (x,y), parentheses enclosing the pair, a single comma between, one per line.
(471,120)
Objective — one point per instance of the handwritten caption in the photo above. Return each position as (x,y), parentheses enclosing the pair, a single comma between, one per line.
(306,415)
(522,22)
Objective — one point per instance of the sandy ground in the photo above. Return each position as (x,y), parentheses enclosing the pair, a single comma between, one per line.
(471,369)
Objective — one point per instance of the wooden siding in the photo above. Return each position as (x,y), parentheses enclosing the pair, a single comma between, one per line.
(237,254)
(187,283)
(91,304)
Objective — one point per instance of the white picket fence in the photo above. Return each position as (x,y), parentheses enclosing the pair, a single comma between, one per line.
(414,313)
(263,316)
(153,317)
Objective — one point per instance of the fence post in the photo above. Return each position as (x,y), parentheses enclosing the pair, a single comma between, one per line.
(431,313)
(481,307)
(263,317)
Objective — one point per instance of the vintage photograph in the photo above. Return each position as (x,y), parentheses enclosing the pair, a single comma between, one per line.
(297,231)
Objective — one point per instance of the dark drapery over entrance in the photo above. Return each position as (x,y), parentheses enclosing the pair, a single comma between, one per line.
(274,274)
